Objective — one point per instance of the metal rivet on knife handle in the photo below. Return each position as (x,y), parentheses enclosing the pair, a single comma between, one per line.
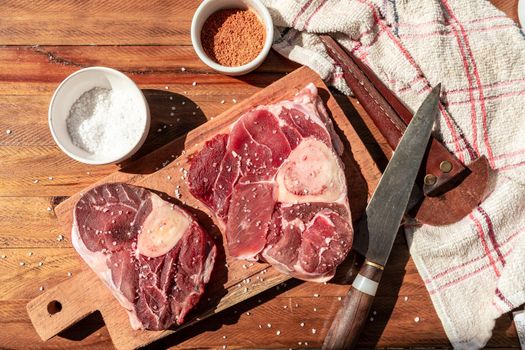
(430,179)
(445,166)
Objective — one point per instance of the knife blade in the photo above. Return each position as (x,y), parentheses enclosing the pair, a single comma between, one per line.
(383,217)
(389,201)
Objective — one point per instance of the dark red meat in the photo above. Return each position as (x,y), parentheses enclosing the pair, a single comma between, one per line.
(154,257)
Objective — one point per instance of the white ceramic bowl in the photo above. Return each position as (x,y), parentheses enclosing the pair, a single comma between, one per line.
(71,89)
(206,8)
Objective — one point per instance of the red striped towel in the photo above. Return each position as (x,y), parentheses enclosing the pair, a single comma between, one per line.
(474,270)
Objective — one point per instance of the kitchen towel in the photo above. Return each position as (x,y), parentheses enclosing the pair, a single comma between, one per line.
(474,270)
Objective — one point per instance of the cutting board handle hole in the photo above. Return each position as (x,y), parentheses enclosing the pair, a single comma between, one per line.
(54,307)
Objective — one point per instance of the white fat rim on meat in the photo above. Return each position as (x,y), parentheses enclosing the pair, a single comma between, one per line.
(97,262)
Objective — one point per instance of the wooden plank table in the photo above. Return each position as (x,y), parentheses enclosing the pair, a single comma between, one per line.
(45,41)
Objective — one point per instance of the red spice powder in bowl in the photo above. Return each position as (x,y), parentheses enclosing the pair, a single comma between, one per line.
(232,36)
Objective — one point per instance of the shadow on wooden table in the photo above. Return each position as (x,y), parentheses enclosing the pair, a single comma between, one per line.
(260,79)
(362,130)
(172,116)
(84,327)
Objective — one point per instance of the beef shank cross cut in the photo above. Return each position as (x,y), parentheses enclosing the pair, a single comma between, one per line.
(153,256)
(276,184)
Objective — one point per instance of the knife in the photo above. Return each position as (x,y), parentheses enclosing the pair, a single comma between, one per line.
(381,220)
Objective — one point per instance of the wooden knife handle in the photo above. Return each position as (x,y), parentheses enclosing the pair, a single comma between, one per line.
(351,317)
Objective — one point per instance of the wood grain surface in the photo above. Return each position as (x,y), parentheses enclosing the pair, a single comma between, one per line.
(228,287)
(44,41)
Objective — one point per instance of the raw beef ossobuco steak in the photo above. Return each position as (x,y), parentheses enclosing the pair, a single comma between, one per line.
(153,255)
(277,186)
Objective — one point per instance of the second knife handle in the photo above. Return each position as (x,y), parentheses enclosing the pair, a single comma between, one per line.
(351,317)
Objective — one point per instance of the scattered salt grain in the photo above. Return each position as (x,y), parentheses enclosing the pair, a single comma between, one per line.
(406,298)
(41,288)
(234,100)
(168,177)
(30,253)
(194,83)
(269,325)
(314,330)
(416,319)
(3,256)
(224,337)
(339,298)
(8,131)
(248,313)
(21,263)
(60,238)
(50,178)
(224,346)
(69,274)
(374,312)
(302,324)
(183,69)
(222,102)
(49,209)
(316,295)
(183,102)
(278,333)
(35,181)
(166,87)
(159,130)
(315,309)
(104,121)
(41,263)
(371,319)
(285,307)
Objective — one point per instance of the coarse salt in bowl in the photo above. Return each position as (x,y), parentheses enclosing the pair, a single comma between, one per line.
(207,8)
(81,83)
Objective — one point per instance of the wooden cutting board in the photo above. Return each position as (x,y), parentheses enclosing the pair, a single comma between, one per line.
(232,281)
